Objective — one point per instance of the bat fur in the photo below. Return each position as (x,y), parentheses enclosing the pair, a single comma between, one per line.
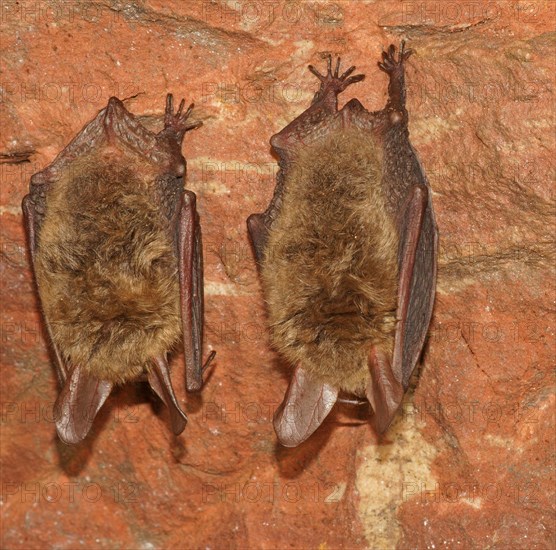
(107,269)
(331,277)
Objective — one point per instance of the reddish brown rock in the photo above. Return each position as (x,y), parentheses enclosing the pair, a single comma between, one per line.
(468,464)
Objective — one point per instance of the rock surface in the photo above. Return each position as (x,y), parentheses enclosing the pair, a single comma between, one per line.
(469,463)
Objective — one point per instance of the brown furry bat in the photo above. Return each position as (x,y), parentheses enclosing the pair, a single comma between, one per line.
(116,248)
(347,254)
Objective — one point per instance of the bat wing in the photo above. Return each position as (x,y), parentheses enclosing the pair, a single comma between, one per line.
(305,406)
(417,269)
(32,225)
(190,261)
(85,141)
(415,297)
(258,231)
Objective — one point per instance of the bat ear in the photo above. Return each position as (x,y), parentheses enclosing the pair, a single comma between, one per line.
(384,391)
(305,406)
(160,382)
(78,404)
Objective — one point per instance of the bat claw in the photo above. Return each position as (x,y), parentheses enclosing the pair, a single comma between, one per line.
(337,69)
(211,356)
(205,367)
(316,73)
(180,108)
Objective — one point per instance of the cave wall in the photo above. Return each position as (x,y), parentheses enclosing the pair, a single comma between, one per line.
(469,461)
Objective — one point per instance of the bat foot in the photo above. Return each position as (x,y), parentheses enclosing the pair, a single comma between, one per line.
(333,81)
(176,123)
(390,62)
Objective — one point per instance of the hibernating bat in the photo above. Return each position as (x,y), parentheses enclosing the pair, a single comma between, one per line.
(115,244)
(347,253)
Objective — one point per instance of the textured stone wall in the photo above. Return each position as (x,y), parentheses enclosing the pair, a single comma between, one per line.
(469,463)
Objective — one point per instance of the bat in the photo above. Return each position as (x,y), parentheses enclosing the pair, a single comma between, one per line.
(346,251)
(115,245)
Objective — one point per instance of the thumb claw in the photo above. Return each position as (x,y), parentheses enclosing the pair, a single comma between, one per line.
(315,72)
